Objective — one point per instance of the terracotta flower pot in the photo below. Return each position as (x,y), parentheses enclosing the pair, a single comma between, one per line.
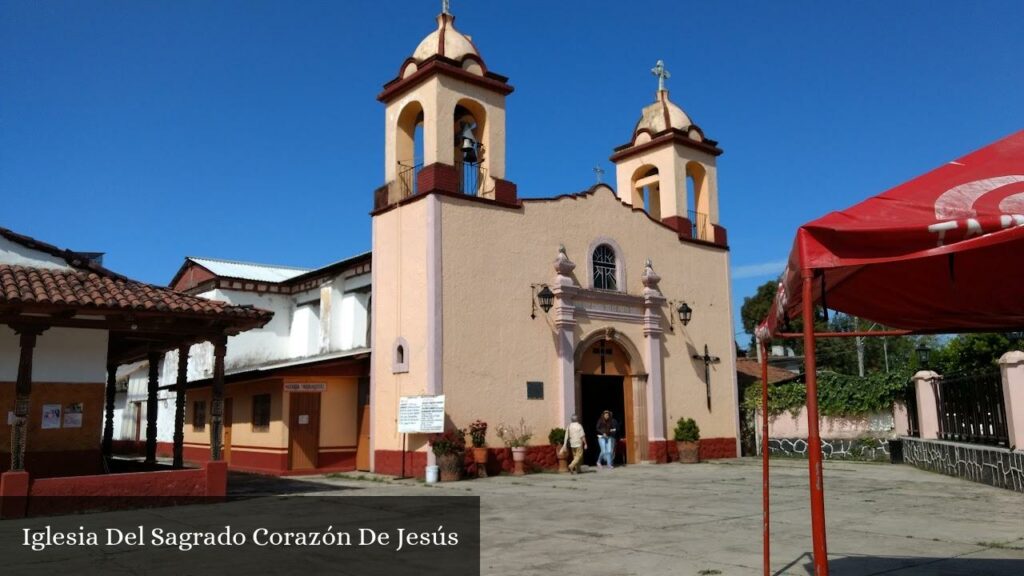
(689,452)
(480,458)
(518,457)
(450,467)
(563,460)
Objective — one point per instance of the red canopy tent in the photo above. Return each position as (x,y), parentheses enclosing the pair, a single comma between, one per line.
(935,254)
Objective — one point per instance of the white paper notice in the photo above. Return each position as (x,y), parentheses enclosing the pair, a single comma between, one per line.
(420,414)
(51,416)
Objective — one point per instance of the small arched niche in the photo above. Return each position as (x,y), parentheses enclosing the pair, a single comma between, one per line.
(400,356)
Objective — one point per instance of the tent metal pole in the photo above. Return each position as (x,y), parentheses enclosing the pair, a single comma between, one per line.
(764,457)
(813,439)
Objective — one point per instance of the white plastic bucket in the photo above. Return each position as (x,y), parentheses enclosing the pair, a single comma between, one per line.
(432,472)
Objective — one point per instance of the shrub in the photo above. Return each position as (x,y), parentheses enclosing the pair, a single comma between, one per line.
(515,436)
(838,394)
(478,433)
(556,437)
(449,442)
(687,430)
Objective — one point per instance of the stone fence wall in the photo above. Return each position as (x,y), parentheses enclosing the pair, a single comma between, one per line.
(991,465)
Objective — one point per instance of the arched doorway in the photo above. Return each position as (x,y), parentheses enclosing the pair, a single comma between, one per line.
(606,369)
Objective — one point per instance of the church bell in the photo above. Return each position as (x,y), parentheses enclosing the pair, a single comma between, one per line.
(468,143)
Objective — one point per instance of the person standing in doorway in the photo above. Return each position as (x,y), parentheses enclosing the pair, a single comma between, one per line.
(606,438)
(576,439)
(613,441)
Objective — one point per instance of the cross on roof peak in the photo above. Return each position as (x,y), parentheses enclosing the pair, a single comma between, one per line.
(662,73)
(446,7)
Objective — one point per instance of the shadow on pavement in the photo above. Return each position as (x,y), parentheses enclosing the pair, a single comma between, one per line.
(242,486)
(912,565)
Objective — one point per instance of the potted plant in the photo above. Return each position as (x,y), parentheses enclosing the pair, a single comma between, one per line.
(688,441)
(557,439)
(450,449)
(516,437)
(478,435)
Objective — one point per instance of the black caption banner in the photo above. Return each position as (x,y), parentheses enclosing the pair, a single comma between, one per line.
(357,535)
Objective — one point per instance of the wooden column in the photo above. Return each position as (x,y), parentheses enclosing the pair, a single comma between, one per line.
(108,417)
(220,345)
(179,406)
(23,392)
(151,407)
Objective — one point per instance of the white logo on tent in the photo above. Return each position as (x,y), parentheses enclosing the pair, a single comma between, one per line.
(956,207)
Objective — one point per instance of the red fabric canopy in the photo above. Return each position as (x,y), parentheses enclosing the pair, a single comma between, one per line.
(943,252)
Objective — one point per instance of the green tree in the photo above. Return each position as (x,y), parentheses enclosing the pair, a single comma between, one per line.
(974,352)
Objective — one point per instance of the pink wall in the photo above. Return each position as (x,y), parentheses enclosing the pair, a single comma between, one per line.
(892,423)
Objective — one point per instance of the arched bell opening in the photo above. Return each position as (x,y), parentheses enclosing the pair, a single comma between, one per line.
(698,201)
(471,141)
(409,147)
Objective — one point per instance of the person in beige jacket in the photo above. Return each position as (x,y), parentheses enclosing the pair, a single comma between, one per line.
(575,438)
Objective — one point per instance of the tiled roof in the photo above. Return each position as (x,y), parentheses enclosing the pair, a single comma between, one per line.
(78,288)
(751,367)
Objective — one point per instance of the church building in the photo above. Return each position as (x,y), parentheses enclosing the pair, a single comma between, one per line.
(534,309)
(516,309)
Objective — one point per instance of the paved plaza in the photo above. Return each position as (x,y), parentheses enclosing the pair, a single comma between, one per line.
(673,519)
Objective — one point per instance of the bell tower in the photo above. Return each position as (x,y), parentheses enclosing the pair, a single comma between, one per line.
(445,122)
(668,169)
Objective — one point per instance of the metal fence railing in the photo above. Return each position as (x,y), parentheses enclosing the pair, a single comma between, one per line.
(406,177)
(472,177)
(971,409)
(699,228)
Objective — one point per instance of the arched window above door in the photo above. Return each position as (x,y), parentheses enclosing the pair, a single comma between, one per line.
(605,268)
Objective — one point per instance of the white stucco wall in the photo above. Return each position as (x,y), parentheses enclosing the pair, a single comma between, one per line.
(127,412)
(61,355)
(18,255)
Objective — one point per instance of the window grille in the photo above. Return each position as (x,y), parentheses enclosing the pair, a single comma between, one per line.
(604,268)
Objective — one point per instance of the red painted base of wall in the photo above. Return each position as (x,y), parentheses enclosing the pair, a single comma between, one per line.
(336,461)
(389,462)
(57,464)
(714,448)
(663,451)
(538,458)
(21,495)
(272,463)
(14,488)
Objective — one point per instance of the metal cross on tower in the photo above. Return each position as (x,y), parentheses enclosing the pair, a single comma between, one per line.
(708,360)
(662,74)
(445,7)
(598,173)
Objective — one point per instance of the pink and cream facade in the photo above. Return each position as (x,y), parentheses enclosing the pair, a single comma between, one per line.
(460,263)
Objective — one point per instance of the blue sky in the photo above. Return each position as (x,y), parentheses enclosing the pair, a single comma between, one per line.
(249,129)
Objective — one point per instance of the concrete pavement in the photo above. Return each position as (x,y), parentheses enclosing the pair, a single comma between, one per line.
(672,519)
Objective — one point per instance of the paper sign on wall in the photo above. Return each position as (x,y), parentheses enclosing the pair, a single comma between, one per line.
(73,415)
(421,414)
(51,416)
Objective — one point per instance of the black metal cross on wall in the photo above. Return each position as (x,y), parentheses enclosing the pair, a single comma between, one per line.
(708,360)
(602,352)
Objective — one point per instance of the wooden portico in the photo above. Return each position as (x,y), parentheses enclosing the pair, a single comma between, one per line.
(69,306)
